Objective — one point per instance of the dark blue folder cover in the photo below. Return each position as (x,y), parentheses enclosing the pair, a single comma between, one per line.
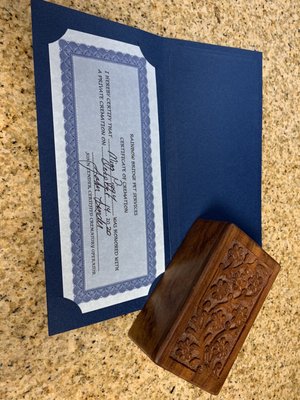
(210,114)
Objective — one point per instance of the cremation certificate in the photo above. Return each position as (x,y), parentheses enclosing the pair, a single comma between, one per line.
(108,169)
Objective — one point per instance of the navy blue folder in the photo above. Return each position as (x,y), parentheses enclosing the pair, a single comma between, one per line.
(210,115)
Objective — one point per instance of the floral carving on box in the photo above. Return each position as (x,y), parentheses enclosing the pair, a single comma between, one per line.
(219,318)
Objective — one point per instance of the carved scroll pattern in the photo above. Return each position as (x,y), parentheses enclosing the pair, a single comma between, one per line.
(220,316)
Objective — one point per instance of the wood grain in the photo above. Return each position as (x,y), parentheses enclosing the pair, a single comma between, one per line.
(200,313)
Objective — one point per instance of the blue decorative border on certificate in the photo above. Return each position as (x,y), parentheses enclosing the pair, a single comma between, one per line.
(67,50)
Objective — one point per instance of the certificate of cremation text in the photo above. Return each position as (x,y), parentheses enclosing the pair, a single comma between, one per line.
(108,169)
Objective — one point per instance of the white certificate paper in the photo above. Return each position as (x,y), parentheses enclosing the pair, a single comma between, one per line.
(108,169)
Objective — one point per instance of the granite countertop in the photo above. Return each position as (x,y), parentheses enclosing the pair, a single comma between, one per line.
(99,361)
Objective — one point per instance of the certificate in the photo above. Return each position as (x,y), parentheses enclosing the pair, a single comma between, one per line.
(108,169)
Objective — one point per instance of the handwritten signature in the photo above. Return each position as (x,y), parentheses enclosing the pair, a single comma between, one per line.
(104,181)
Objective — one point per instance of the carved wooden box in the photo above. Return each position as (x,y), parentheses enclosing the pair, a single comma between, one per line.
(197,318)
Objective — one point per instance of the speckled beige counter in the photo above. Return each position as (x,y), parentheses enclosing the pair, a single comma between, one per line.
(99,361)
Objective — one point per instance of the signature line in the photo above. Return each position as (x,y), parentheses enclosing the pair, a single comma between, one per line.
(96,225)
(112,201)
